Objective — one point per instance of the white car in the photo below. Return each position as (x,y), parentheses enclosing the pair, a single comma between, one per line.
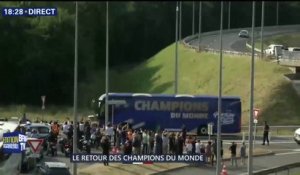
(294,49)
(271,49)
(244,34)
(297,136)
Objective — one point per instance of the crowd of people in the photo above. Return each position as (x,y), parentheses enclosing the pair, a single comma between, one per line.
(142,141)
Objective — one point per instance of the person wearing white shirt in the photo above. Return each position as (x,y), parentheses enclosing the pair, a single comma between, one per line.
(81,126)
(109,131)
(165,143)
(198,146)
(65,128)
(189,148)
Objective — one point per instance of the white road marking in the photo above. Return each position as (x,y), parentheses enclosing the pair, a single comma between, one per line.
(280,154)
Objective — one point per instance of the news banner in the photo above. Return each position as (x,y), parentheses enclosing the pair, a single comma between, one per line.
(30,11)
(137,159)
(15,143)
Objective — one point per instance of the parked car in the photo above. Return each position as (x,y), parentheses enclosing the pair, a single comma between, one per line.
(297,136)
(273,49)
(244,34)
(53,168)
(43,131)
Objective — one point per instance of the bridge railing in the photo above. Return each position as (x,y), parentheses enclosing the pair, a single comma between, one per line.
(186,41)
(290,56)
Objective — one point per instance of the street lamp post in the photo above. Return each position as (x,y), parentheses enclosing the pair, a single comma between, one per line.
(262,29)
(75,88)
(250,137)
(180,19)
(277,13)
(220,95)
(193,22)
(176,50)
(107,68)
(229,11)
(200,23)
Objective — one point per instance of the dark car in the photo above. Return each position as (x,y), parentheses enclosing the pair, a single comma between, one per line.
(53,168)
(244,34)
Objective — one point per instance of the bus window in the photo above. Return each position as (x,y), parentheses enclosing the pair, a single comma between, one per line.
(101,113)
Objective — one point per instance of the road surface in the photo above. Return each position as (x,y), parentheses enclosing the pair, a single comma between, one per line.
(286,152)
(285,149)
(231,41)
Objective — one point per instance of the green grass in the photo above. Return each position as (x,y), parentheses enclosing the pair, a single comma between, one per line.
(198,75)
(34,113)
(289,40)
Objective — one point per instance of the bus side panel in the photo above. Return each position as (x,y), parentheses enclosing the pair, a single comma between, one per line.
(159,119)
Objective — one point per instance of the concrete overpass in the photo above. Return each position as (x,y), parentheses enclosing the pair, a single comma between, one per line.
(291,63)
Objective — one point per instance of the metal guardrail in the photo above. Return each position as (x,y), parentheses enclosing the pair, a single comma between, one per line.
(187,39)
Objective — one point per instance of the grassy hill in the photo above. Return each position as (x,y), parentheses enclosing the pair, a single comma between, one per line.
(198,74)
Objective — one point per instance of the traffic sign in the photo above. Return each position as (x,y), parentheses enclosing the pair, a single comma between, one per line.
(35,144)
(256,111)
(43,98)
(210,128)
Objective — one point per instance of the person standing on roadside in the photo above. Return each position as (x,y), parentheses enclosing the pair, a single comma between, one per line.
(145,142)
(266,133)
(243,153)
(208,152)
(105,144)
(184,132)
(232,149)
(197,147)
(165,143)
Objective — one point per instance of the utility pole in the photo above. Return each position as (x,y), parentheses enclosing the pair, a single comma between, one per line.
(193,23)
(262,29)
(107,67)
(200,24)
(250,154)
(229,11)
(277,13)
(180,20)
(220,96)
(176,50)
(75,88)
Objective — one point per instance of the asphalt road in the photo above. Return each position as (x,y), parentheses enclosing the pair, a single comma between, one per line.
(231,41)
(285,149)
(286,152)
(60,157)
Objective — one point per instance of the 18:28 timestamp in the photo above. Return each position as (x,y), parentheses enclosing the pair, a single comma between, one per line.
(12,12)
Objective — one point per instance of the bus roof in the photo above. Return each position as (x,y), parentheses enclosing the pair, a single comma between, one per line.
(165,95)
